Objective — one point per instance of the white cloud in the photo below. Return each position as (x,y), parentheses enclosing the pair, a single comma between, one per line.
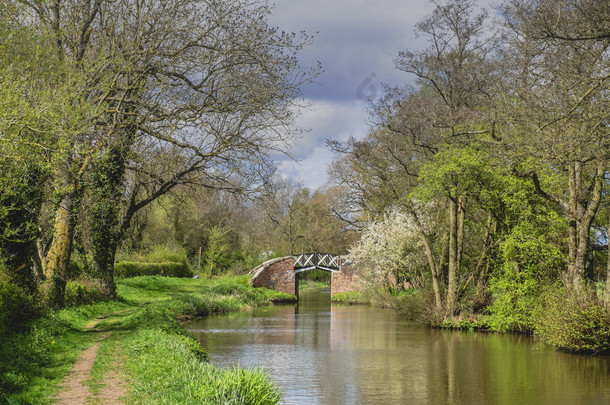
(330,120)
(312,171)
(325,120)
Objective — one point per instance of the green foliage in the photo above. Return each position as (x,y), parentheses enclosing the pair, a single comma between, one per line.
(575,324)
(20,200)
(168,269)
(455,170)
(529,260)
(33,361)
(517,297)
(318,275)
(84,291)
(16,307)
(215,253)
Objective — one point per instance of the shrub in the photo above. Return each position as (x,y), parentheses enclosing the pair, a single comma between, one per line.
(165,254)
(135,269)
(16,307)
(414,305)
(575,324)
(84,291)
(516,301)
(530,259)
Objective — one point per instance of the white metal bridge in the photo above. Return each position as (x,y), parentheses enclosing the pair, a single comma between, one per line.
(310,261)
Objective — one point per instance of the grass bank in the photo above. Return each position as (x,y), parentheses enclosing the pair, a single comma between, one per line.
(311,284)
(144,338)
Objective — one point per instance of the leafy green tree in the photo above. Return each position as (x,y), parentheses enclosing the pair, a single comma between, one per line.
(216,251)
(530,260)
(568,135)
(455,174)
(189,92)
(37,122)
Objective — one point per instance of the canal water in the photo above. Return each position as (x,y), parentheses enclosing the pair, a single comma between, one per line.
(318,353)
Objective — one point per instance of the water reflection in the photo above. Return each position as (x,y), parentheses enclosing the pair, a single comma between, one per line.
(323,354)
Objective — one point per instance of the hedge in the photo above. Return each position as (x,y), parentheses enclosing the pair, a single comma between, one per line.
(135,269)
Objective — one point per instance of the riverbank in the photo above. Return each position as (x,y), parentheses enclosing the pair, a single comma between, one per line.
(558,319)
(140,346)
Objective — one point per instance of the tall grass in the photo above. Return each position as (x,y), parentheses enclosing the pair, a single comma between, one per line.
(166,371)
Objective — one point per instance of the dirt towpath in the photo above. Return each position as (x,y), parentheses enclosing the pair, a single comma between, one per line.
(75,389)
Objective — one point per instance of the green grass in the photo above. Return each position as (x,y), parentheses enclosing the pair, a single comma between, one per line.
(166,371)
(307,284)
(151,309)
(32,363)
(351,298)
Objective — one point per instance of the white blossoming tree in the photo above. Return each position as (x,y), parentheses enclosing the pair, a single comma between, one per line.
(390,251)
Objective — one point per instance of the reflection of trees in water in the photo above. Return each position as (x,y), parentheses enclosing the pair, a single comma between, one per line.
(351,354)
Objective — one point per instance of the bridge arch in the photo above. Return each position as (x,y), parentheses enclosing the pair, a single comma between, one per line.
(281,274)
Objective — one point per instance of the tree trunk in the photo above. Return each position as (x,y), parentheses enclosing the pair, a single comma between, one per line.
(103,263)
(39,261)
(290,241)
(58,257)
(483,265)
(583,212)
(434,271)
(580,261)
(461,214)
(581,209)
(607,292)
(452,287)
(572,224)
(442,263)
(431,263)
(106,194)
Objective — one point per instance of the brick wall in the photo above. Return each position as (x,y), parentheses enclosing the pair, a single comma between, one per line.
(344,281)
(276,274)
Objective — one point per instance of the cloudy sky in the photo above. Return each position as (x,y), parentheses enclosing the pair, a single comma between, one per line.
(356,43)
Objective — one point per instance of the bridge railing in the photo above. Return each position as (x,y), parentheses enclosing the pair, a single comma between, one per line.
(309,261)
